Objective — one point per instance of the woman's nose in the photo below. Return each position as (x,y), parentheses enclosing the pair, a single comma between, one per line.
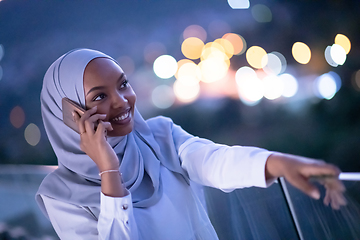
(119,100)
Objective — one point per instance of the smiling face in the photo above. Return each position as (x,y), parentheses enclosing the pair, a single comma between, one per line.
(106,86)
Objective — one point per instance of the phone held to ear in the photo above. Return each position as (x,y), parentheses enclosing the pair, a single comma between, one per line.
(69,108)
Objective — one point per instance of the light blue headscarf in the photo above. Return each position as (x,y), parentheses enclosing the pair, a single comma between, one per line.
(141,152)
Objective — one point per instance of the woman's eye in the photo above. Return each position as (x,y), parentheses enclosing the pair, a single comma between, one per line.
(99,97)
(124,84)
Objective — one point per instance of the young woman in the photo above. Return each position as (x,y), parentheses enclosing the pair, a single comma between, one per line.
(126,178)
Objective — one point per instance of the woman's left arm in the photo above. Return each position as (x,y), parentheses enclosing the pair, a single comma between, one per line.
(227,168)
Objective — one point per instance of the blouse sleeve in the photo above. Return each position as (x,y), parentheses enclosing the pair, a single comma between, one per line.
(116,220)
(224,167)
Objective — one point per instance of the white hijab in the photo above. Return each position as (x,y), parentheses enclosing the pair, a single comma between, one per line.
(141,152)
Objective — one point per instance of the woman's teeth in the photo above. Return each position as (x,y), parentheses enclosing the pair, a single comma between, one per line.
(122,117)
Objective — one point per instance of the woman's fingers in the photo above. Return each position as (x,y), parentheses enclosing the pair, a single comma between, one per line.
(304,185)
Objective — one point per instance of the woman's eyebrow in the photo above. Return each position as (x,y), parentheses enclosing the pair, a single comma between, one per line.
(94,89)
(101,87)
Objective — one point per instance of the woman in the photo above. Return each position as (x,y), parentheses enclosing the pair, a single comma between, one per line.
(126,178)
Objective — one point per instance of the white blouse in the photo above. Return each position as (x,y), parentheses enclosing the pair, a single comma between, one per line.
(179,214)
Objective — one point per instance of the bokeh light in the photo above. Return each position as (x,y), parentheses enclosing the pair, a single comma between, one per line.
(338,54)
(1,51)
(276,63)
(239,4)
(127,64)
(186,93)
(328,57)
(238,42)
(290,84)
(213,69)
(165,66)
(189,73)
(227,46)
(195,31)
(273,87)
(356,80)
(32,134)
(192,47)
(17,117)
(261,13)
(301,52)
(256,57)
(327,85)
(163,96)
(250,87)
(344,42)
(213,50)
(154,50)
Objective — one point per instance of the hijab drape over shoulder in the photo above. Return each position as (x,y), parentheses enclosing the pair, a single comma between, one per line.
(141,152)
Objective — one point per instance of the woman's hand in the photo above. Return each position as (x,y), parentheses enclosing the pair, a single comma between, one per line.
(93,142)
(298,171)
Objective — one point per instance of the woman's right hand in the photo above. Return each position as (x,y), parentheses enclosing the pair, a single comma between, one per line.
(93,141)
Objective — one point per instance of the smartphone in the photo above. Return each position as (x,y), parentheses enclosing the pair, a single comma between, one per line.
(69,108)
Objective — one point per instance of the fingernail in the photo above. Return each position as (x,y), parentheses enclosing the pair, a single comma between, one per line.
(315,194)
(73,115)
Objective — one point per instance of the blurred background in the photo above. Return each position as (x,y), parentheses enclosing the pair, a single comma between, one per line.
(282,75)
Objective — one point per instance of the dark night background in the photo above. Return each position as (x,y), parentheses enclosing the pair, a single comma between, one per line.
(34,33)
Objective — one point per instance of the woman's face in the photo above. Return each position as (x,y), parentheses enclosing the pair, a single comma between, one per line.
(106,86)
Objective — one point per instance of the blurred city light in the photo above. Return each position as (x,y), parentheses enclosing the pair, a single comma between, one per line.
(189,71)
(213,50)
(165,66)
(186,93)
(328,57)
(227,46)
(276,63)
(195,31)
(1,51)
(273,87)
(327,85)
(290,85)
(163,96)
(17,117)
(153,50)
(338,54)
(237,41)
(261,13)
(213,69)
(301,52)
(1,72)
(127,64)
(250,87)
(32,134)
(356,80)
(239,4)
(256,57)
(344,42)
(192,47)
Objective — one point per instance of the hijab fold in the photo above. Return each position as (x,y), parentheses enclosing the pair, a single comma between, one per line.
(152,143)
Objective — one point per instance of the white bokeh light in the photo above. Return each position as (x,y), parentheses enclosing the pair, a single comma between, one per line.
(290,83)
(165,66)
(186,93)
(250,87)
(325,86)
(163,96)
(338,54)
(273,87)
(328,57)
